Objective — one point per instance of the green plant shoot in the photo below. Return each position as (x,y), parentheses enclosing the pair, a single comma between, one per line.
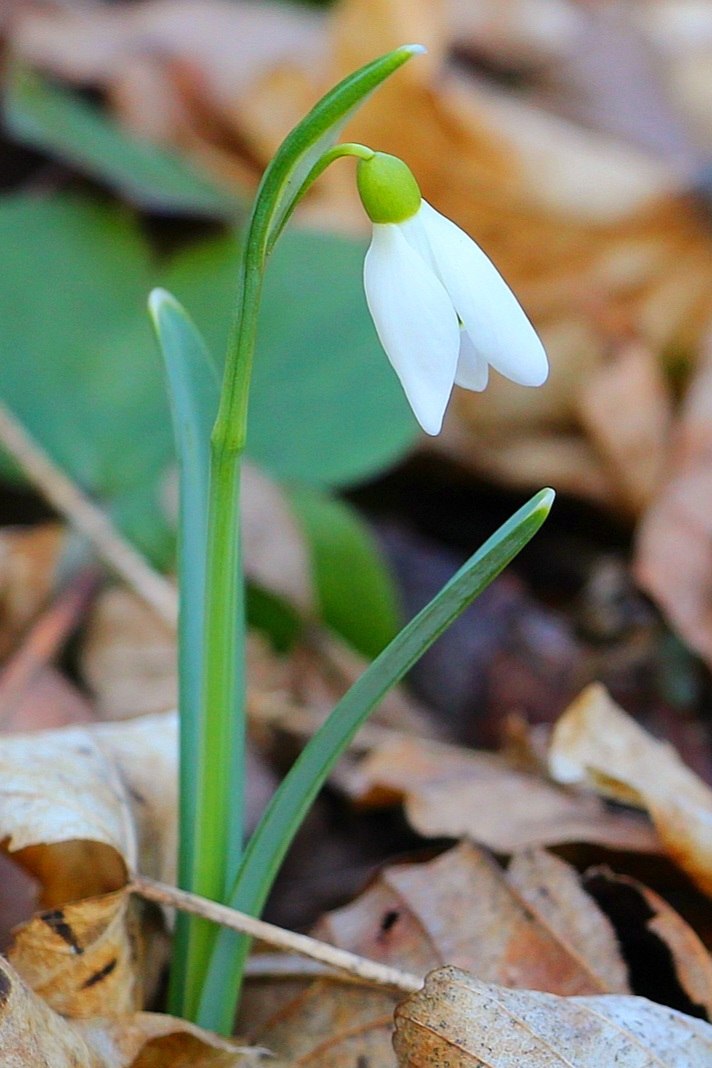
(444,316)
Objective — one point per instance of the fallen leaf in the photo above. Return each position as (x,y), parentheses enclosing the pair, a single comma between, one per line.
(448,791)
(31,1033)
(122,630)
(673,555)
(597,745)
(625,405)
(406,918)
(85,959)
(554,893)
(639,915)
(28,559)
(80,807)
(534,925)
(467,1023)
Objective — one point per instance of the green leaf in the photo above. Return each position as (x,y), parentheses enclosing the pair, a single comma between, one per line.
(78,363)
(289,805)
(287,176)
(325,407)
(357,596)
(192,383)
(45,116)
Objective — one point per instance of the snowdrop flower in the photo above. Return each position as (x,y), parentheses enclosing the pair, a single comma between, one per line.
(441,309)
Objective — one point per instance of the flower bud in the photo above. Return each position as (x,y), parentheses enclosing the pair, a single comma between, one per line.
(388,190)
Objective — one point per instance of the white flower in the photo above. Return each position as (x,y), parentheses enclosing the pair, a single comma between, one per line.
(444,314)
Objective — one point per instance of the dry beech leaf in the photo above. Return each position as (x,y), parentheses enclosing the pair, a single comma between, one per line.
(84,959)
(626,407)
(673,560)
(461,908)
(80,807)
(637,912)
(123,630)
(464,1022)
(597,745)
(28,559)
(553,892)
(31,1033)
(454,792)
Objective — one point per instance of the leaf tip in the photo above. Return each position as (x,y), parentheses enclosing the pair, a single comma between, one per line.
(157,299)
(414,49)
(544,500)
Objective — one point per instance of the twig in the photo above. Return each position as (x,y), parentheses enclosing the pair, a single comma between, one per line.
(86,517)
(368,971)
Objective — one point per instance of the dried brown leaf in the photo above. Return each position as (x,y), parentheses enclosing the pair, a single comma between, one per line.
(596,744)
(84,959)
(31,1033)
(461,908)
(128,657)
(83,805)
(626,407)
(454,792)
(80,807)
(552,891)
(673,560)
(28,559)
(467,1023)
(638,912)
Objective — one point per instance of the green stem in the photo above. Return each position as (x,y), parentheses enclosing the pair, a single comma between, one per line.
(219,792)
(216,851)
(218,839)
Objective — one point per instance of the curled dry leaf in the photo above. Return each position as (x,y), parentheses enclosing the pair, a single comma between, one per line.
(460,907)
(84,959)
(596,744)
(639,914)
(31,1033)
(453,792)
(80,807)
(467,1023)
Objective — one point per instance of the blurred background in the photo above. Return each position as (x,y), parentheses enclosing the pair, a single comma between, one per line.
(572,139)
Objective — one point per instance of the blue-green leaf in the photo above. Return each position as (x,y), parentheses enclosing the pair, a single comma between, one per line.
(52,119)
(290,803)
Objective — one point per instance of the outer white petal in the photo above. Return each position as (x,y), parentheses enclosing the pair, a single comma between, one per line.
(492,315)
(415,321)
(472,368)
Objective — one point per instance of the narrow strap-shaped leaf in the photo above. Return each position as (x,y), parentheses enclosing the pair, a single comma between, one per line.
(54,119)
(192,383)
(290,803)
(283,181)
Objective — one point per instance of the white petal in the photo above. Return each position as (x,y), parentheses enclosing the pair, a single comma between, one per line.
(472,368)
(492,315)
(415,321)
